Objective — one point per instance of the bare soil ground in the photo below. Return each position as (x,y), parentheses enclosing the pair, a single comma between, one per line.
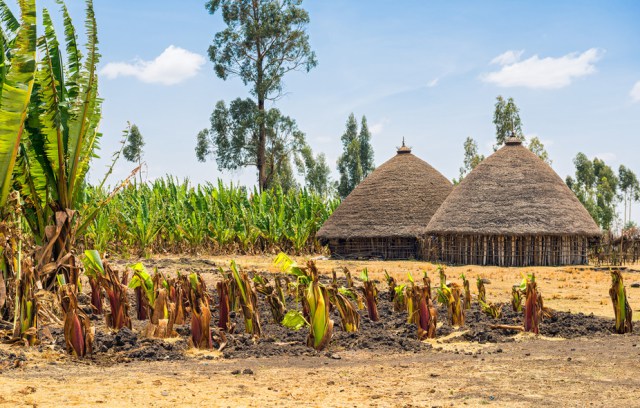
(576,361)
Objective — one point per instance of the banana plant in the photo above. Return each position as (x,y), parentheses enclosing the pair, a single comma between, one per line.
(142,284)
(94,269)
(349,317)
(399,298)
(62,128)
(424,314)
(321,325)
(451,296)
(26,311)
(408,296)
(621,308)
(303,279)
(224,322)
(316,299)
(491,310)
(391,283)
(78,332)
(443,277)
(200,314)
(370,293)
(118,315)
(17,77)
(248,301)
(533,306)
(427,282)
(467,292)
(272,297)
(482,294)
(517,291)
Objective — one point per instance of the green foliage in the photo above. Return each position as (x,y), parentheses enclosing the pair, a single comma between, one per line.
(471,158)
(142,279)
(366,150)
(135,142)
(321,325)
(317,173)
(248,301)
(364,275)
(234,140)
(506,118)
(537,147)
(262,41)
(629,191)
(356,161)
(17,70)
(289,266)
(596,187)
(294,320)
(173,216)
(622,311)
(92,263)
(62,125)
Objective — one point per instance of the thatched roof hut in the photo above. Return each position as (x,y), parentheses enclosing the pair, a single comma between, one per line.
(512,210)
(384,215)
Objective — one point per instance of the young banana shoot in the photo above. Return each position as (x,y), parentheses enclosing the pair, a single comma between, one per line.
(621,308)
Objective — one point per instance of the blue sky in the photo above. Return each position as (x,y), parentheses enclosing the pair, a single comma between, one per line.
(426,71)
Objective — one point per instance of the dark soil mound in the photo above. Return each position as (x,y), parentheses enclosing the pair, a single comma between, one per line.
(391,334)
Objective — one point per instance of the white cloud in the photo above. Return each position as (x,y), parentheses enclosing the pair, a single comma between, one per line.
(173,66)
(635,92)
(508,57)
(378,127)
(433,82)
(542,73)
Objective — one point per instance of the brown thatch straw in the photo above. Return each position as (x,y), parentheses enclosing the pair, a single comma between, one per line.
(396,200)
(513,193)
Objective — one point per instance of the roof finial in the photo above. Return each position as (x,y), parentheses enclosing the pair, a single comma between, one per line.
(404,148)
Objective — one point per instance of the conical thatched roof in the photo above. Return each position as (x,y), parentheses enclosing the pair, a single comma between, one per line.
(396,200)
(513,192)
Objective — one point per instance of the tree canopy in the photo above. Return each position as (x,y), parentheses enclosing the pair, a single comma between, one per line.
(133,151)
(471,158)
(233,140)
(356,161)
(629,191)
(262,42)
(506,118)
(596,185)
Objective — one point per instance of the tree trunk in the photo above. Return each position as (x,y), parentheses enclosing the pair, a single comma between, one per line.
(140,168)
(262,140)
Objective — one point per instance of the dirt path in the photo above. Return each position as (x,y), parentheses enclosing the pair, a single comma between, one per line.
(531,372)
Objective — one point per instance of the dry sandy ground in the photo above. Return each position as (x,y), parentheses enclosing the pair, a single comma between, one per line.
(532,372)
(529,372)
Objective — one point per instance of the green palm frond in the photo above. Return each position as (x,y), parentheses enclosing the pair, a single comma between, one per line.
(83,124)
(16,92)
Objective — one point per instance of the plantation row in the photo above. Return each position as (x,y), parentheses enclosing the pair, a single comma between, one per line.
(297,298)
(172,216)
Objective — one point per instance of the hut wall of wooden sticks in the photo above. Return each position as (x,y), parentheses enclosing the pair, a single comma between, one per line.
(500,250)
(383,248)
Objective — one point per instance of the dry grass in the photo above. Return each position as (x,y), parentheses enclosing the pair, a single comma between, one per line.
(572,289)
